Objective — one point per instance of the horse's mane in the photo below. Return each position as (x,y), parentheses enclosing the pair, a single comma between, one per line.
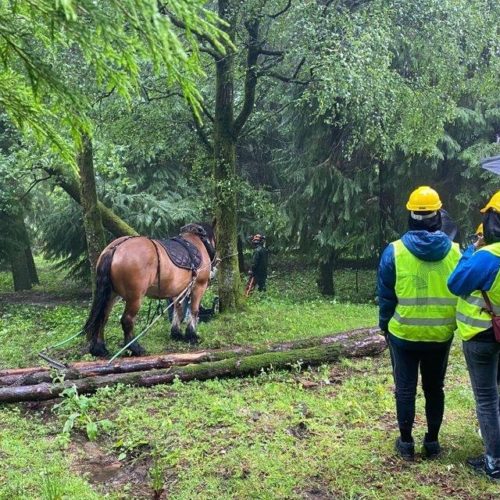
(208,229)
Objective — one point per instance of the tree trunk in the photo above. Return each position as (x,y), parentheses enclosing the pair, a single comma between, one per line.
(353,343)
(31,266)
(20,270)
(21,259)
(325,281)
(94,231)
(230,367)
(225,175)
(241,257)
(70,183)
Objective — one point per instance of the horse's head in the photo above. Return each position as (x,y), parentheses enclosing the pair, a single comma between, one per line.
(206,234)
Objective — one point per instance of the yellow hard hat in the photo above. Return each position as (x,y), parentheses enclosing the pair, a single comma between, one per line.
(424,199)
(480,229)
(494,203)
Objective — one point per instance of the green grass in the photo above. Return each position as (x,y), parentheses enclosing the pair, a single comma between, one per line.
(323,433)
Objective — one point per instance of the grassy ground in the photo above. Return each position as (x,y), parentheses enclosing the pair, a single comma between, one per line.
(324,433)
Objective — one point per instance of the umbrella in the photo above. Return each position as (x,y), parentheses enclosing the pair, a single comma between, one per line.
(492,164)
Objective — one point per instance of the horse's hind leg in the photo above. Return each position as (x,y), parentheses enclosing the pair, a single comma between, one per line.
(175,330)
(196,296)
(127,320)
(98,346)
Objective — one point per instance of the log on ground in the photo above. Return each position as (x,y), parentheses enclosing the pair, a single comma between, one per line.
(230,367)
(354,343)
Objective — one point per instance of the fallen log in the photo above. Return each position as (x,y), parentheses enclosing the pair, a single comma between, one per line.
(234,366)
(358,342)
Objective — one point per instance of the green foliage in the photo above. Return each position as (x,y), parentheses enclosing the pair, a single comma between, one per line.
(33,465)
(278,435)
(112,38)
(76,409)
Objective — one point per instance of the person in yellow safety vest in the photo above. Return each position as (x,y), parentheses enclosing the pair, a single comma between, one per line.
(478,270)
(417,315)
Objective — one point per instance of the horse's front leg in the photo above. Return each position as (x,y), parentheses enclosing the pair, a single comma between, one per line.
(175,330)
(196,295)
(128,320)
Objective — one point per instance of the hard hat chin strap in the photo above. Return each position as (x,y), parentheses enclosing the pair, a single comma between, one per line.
(416,216)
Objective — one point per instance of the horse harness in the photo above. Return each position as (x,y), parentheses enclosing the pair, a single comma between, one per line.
(181,252)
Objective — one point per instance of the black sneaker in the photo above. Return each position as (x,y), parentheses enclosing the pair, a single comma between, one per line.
(477,463)
(432,449)
(405,450)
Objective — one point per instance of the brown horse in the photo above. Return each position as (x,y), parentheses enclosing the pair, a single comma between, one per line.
(136,267)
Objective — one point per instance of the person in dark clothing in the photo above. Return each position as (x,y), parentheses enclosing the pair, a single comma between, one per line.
(260,259)
(417,315)
(475,279)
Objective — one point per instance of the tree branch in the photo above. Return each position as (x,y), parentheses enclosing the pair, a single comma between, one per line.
(201,36)
(289,79)
(34,183)
(250,76)
(282,11)
(269,52)
(211,52)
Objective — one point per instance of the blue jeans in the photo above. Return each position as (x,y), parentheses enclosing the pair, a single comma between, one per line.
(483,364)
(432,359)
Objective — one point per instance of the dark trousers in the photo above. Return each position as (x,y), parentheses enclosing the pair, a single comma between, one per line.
(432,359)
(483,364)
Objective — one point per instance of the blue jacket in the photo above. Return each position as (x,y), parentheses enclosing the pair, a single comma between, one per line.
(424,245)
(474,271)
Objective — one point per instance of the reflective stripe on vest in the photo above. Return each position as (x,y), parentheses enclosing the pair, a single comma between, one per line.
(426,308)
(472,317)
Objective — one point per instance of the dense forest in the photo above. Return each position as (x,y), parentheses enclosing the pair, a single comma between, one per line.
(309,122)
(303,120)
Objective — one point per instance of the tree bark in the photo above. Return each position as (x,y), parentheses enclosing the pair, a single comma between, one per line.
(241,257)
(31,266)
(235,366)
(353,343)
(325,281)
(224,172)
(94,231)
(20,270)
(21,259)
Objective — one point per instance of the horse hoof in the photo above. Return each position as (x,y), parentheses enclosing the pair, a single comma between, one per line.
(193,340)
(137,349)
(99,350)
(175,334)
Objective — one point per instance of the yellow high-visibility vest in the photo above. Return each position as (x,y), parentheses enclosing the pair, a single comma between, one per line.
(472,317)
(426,308)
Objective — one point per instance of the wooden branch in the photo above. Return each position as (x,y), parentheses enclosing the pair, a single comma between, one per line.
(281,356)
(353,343)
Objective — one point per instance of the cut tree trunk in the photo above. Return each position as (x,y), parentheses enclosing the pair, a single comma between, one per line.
(358,342)
(233,362)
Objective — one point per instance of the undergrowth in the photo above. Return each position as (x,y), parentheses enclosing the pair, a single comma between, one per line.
(327,432)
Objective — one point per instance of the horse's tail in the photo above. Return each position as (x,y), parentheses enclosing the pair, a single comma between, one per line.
(104,288)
